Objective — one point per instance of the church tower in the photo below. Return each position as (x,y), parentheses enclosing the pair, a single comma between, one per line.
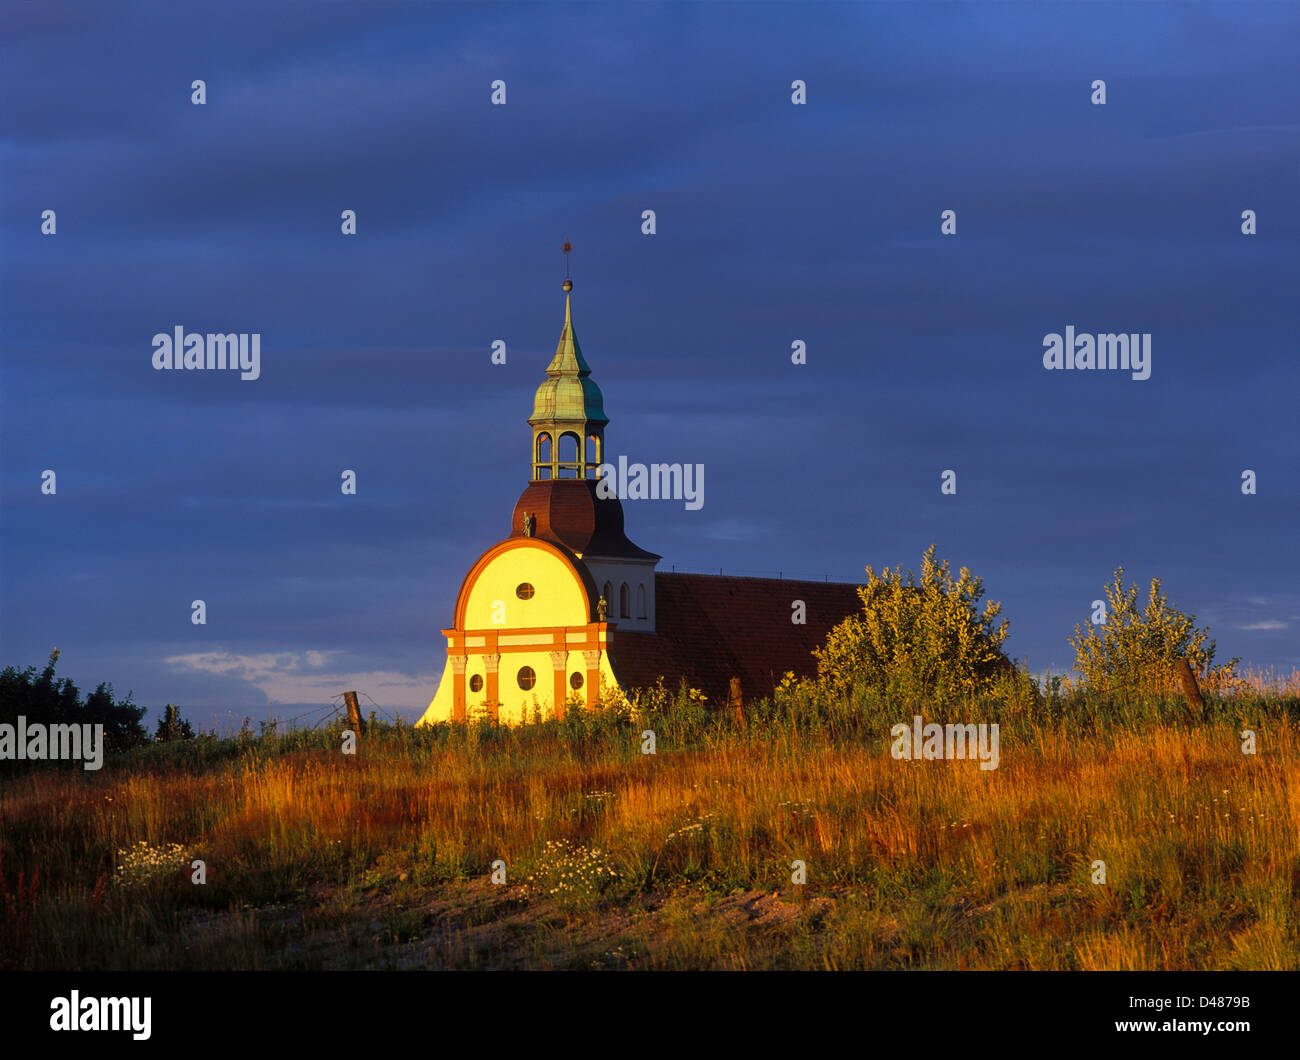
(561,500)
(568,419)
(536,614)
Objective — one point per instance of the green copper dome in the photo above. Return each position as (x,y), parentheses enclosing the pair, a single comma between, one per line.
(568,395)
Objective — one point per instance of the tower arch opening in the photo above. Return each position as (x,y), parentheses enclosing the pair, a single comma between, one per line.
(542,456)
(567,452)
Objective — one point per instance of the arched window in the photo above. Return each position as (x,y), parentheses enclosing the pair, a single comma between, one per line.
(640,602)
(542,464)
(624,602)
(568,453)
(593,455)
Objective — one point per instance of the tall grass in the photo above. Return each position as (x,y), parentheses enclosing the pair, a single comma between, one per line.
(318,859)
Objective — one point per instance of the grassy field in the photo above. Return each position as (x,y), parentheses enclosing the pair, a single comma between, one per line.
(681,859)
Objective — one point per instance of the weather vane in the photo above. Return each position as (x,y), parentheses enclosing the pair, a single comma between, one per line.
(566,248)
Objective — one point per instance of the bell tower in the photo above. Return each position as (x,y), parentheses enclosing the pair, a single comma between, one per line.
(560,503)
(568,419)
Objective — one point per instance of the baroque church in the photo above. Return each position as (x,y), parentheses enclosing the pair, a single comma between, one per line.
(567,603)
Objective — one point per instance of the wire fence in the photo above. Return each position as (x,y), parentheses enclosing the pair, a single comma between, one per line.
(319,715)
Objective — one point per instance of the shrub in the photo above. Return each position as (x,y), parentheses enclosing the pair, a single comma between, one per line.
(1133,652)
(925,638)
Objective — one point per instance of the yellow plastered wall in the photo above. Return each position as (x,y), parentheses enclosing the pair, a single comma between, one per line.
(492,603)
(516,704)
(557,598)
(439,708)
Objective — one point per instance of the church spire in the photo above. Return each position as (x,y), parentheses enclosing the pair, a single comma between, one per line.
(568,354)
(568,417)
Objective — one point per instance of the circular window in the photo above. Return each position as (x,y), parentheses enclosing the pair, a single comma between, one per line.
(526,678)
(575,681)
(476,683)
(524,591)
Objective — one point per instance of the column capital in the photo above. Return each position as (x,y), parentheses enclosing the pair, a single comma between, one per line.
(491,662)
(592,656)
(559,659)
(458,663)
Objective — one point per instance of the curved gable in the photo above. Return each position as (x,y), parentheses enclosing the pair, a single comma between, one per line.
(561,593)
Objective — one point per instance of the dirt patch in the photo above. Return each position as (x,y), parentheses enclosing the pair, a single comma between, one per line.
(1043,893)
(471,924)
(765,908)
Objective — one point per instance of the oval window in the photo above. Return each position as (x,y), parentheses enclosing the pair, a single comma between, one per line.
(526,678)
(575,681)
(524,591)
(476,683)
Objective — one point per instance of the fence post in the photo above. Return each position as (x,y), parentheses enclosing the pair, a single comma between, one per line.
(1195,702)
(354,713)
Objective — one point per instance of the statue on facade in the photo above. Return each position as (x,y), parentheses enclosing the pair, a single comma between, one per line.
(528,524)
(602,609)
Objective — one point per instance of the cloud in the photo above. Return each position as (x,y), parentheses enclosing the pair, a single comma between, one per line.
(1252,626)
(246,667)
(285,678)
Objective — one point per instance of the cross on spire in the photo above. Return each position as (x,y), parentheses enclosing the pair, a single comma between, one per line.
(566,248)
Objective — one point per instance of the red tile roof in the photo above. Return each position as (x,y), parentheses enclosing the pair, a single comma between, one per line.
(710,628)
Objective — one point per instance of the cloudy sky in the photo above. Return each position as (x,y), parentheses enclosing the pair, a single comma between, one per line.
(775,223)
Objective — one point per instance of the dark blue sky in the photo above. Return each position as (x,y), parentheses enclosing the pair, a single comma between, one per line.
(775,222)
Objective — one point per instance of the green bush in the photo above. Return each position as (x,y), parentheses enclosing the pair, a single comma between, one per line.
(917,639)
(1132,654)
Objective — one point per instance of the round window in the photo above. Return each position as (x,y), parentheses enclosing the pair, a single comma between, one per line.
(526,678)
(476,683)
(524,591)
(575,681)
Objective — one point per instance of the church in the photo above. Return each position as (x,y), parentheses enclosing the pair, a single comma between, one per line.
(567,602)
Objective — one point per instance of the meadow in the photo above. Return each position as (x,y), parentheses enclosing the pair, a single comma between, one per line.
(682,859)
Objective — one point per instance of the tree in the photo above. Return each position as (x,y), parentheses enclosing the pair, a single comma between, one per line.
(171,726)
(41,698)
(1135,651)
(924,638)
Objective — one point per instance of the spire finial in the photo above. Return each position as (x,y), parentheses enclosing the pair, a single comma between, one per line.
(568,283)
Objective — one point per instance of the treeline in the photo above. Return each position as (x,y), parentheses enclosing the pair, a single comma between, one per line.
(43,698)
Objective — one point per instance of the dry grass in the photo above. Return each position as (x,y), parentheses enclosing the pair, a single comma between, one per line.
(319,860)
